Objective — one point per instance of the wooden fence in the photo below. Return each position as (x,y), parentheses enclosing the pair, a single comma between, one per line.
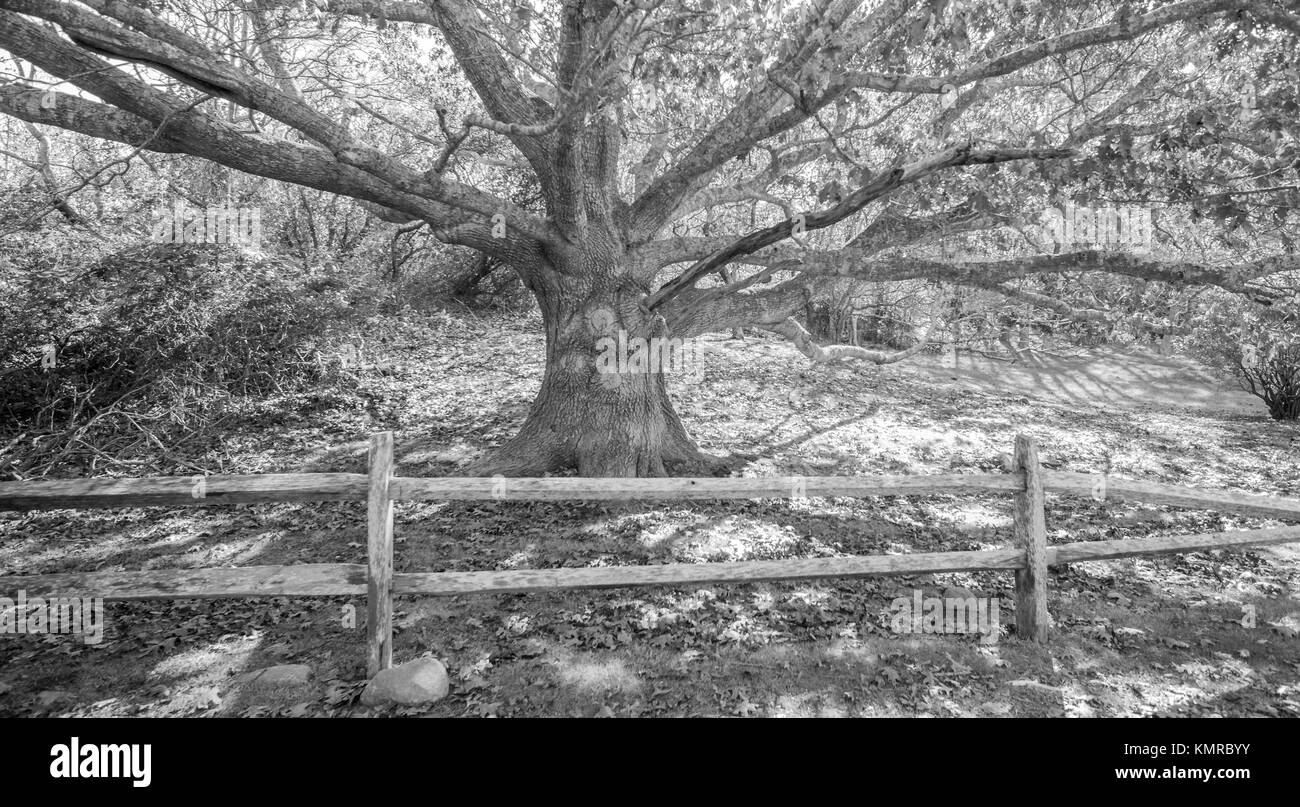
(1028,558)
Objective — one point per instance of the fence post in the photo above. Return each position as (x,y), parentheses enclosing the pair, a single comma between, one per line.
(1032,618)
(379,579)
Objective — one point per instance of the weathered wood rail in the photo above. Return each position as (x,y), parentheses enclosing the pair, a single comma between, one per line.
(1029,558)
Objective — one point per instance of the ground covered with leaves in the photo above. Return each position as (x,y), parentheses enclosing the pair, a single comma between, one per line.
(1211,633)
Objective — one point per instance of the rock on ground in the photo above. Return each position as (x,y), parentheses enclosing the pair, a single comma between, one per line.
(50,697)
(421,681)
(282,675)
(1036,699)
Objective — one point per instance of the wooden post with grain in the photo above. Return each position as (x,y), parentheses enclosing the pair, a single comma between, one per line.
(379,577)
(1032,618)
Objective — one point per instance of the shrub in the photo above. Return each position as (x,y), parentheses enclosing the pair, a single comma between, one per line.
(1258,345)
(149,343)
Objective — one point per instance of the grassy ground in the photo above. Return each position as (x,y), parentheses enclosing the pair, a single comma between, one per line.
(1157,636)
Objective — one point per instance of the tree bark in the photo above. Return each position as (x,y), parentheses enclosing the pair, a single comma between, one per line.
(603,406)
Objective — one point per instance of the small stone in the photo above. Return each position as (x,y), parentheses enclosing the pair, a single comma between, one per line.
(208,698)
(415,682)
(281,675)
(1038,686)
(53,696)
(1036,699)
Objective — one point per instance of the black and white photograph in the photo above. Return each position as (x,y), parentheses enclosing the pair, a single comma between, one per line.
(651,359)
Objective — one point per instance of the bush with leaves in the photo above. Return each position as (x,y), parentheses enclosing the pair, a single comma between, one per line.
(142,348)
(1258,345)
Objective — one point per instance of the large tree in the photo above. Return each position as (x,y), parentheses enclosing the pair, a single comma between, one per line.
(709,164)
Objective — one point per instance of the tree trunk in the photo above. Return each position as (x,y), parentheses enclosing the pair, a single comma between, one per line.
(603,407)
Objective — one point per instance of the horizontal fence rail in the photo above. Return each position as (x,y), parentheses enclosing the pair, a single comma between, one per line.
(174,491)
(298,580)
(178,491)
(1060,554)
(224,489)
(349,579)
(1112,488)
(708,487)
(1028,558)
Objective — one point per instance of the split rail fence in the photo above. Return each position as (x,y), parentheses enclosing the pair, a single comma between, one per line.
(1029,557)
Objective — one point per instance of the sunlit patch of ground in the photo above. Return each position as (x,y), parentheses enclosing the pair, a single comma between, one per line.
(1152,636)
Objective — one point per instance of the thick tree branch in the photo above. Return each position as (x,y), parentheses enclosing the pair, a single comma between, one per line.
(270,48)
(93,34)
(512,110)
(753,120)
(855,201)
(1240,278)
(297,163)
(207,136)
(743,126)
(822,354)
(702,311)
(1121,29)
